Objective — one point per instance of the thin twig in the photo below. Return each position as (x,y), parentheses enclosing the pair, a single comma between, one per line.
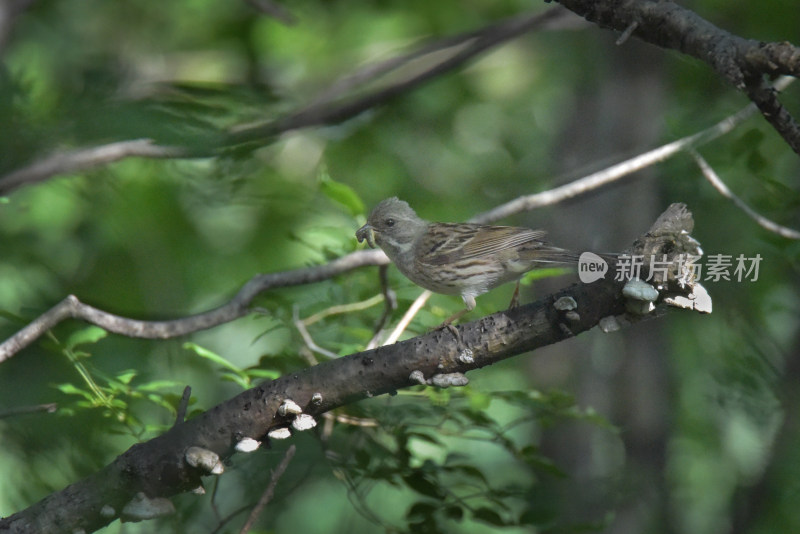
(213,501)
(330,418)
(716,182)
(268,493)
(440,48)
(237,307)
(480,42)
(183,405)
(318,113)
(627,33)
(309,341)
(407,317)
(620,170)
(344,308)
(307,355)
(22,410)
(390,299)
(351,419)
(81,160)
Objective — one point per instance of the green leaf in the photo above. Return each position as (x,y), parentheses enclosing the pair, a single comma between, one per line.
(126,376)
(341,193)
(161,401)
(479,400)
(91,334)
(531,455)
(469,471)
(208,355)
(70,389)
(157,385)
(421,511)
(263,373)
(236,378)
(422,436)
(539,274)
(13,317)
(487,515)
(453,512)
(420,483)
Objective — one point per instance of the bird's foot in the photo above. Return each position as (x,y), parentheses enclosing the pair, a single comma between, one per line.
(464,353)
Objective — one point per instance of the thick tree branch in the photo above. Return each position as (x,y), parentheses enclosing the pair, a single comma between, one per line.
(742,62)
(161,467)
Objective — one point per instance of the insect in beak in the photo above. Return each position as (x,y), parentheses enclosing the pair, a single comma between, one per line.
(368,233)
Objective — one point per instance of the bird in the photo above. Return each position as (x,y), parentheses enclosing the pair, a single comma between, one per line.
(464,259)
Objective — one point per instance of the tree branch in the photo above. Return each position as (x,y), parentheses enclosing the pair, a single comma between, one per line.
(717,183)
(162,466)
(742,62)
(463,48)
(237,307)
(615,172)
(267,495)
(84,159)
(73,308)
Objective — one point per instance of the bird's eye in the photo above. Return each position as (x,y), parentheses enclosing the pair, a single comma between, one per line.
(389,222)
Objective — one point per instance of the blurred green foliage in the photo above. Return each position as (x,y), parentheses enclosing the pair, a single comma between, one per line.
(166,238)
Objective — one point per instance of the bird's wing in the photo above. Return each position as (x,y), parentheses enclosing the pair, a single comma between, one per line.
(453,242)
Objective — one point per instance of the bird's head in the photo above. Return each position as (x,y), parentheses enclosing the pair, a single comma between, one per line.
(393,226)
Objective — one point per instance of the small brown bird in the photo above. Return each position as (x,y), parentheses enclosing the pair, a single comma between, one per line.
(457,258)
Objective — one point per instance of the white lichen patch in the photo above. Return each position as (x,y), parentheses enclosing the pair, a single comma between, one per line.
(638,290)
(142,507)
(698,300)
(565,304)
(303,422)
(640,297)
(204,459)
(289,407)
(280,433)
(465,356)
(417,376)
(247,445)
(108,511)
(609,324)
(447,380)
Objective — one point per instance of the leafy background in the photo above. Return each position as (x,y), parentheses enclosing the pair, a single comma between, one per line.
(682,424)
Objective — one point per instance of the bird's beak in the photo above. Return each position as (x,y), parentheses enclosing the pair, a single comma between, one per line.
(366,232)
